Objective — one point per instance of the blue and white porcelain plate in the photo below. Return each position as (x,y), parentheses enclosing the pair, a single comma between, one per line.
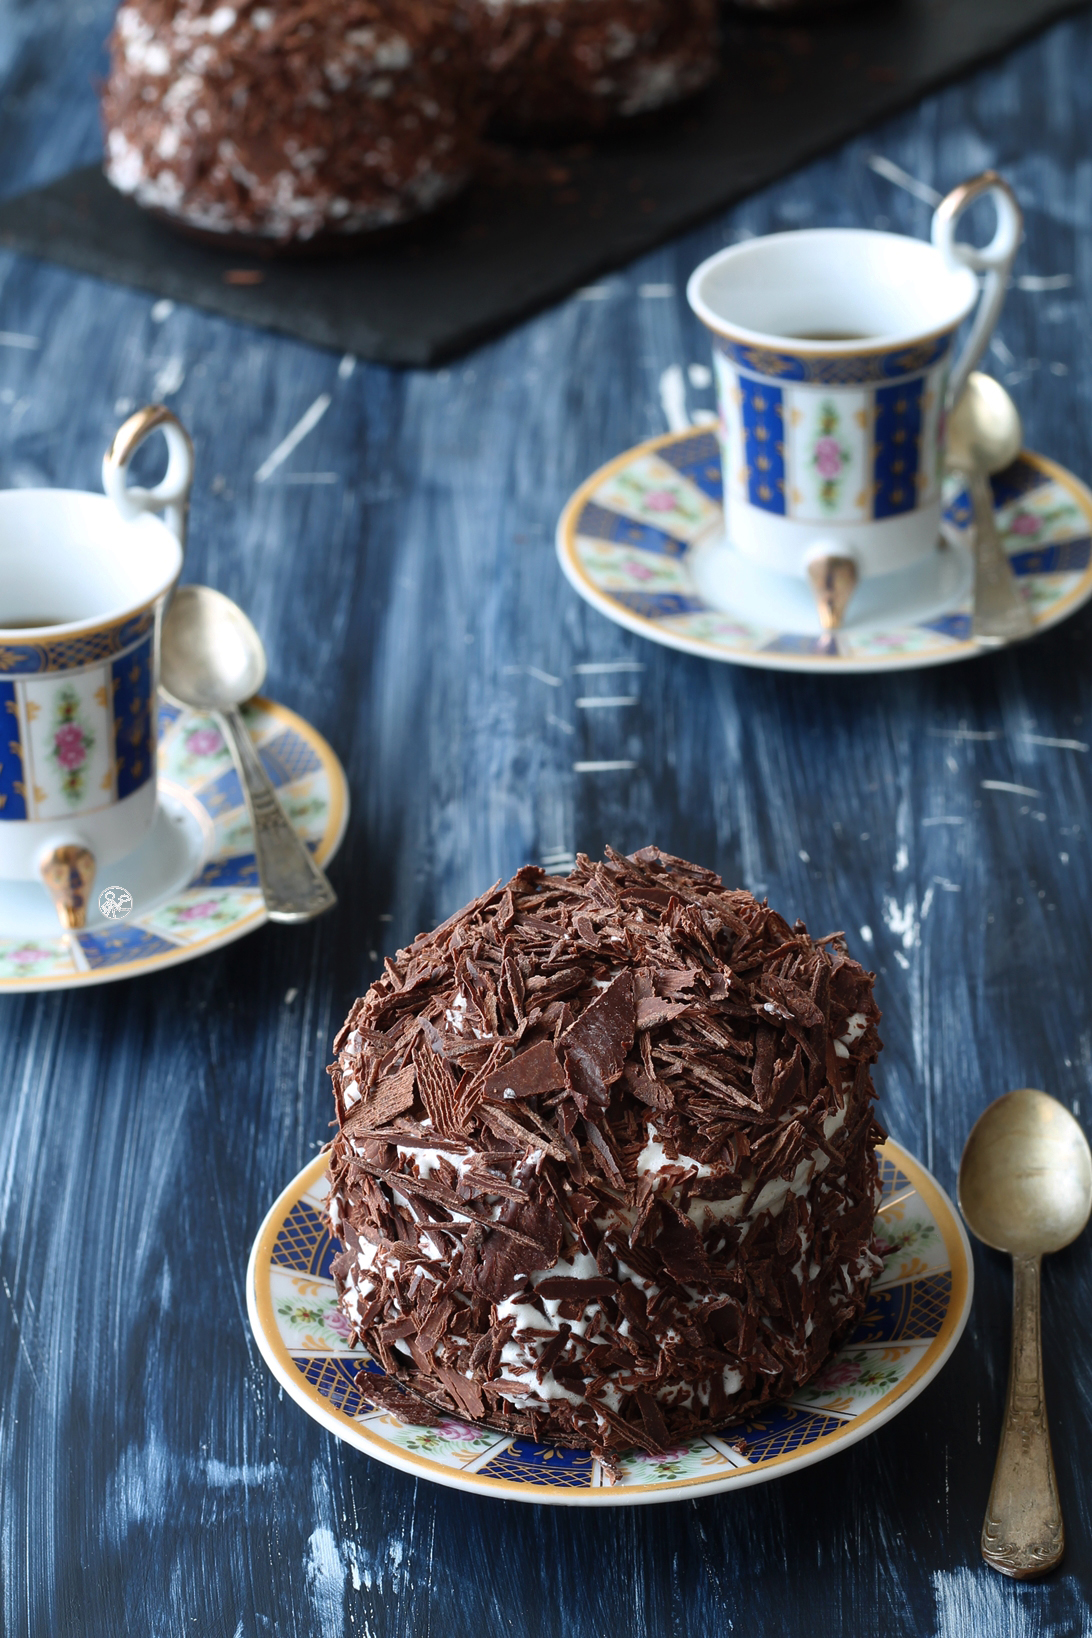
(642,540)
(193,882)
(915,1315)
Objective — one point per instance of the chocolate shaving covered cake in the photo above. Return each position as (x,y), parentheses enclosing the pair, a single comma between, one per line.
(605,1170)
(289,119)
(580,64)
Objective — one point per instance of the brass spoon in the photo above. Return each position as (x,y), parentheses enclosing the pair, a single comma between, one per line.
(984,436)
(1025,1187)
(213,660)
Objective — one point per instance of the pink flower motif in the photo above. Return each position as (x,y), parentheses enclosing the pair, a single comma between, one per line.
(637,571)
(828,457)
(198,912)
(28,955)
(1024,523)
(71,752)
(456,1430)
(661,500)
(204,741)
(839,1374)
(337,1321)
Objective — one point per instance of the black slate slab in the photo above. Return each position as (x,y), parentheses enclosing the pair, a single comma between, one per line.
(538,226)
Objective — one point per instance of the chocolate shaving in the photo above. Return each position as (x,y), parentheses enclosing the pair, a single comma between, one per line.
(615,1083)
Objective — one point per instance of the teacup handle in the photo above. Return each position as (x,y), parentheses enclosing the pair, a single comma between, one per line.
(171,495)
(994,260)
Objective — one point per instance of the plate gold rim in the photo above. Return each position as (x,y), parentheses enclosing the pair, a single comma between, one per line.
(347,1428)
(762,659)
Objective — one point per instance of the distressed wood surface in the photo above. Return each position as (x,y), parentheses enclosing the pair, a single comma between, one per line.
(399,563)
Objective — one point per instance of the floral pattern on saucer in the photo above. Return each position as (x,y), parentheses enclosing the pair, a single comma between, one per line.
(906,1334)
(223,900)
(626,541)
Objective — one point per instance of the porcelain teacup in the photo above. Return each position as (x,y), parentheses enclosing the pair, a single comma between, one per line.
(84,579)
(833,352)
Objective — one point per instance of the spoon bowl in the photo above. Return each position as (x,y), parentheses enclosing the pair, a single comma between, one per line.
(984,428)
(1025,1180)
(985,436)
(212,658)
(1025,1187)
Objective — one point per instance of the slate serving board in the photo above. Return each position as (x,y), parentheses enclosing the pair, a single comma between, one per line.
(537,226)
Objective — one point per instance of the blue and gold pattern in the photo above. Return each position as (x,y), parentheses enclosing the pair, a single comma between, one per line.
(552,1465)
(1044,519)
(13,799)
(335,1380)
(134,720)
(896,444)
(285,759)
(697,457)
(68,653)
(763,417)
(837,369)
(600,524)
(121,945)
(304,1243)
(922,1317)
(782,1430)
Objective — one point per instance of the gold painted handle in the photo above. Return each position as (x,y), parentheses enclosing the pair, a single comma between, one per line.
(171,495)
(67,873)
(1023,1535)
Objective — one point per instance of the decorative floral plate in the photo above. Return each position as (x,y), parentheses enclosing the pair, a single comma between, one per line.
(642,540)
(193,882)
(915,1316)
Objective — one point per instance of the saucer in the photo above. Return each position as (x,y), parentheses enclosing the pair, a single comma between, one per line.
(915,1315)
(193,880)
(642,540)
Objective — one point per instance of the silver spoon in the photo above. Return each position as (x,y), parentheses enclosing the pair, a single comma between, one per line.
(985,436)
(1025,1187)
(213,660)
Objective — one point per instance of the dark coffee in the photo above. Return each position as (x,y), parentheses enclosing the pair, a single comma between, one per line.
(27,622)
(828,335)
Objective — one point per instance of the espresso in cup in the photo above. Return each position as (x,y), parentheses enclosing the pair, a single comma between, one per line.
(833,352)
(83,582)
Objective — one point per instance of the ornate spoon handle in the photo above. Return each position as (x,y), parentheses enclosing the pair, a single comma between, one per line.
(293,886)
(1023,1535)
(999,610)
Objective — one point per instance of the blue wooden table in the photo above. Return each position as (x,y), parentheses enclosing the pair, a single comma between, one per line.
(399,563)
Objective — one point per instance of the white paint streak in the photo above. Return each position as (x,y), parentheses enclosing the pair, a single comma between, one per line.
(1055,744)
(12,338)
(1003,785)
(326,1581)
(533,671)
(1044,281)
(603,668)
(902,179)
(169,377)
(655,292)
(673,398)
(602,702)
(306,423)
(620,765)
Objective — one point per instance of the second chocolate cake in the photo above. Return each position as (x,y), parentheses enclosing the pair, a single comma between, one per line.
(605,1168)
